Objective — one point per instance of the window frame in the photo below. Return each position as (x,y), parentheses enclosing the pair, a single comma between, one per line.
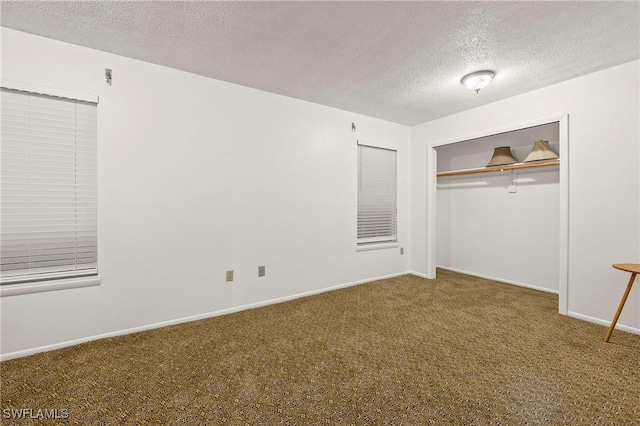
(59,281)
(377,242)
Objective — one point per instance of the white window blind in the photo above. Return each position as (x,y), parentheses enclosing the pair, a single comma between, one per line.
(377,199)
(48,194)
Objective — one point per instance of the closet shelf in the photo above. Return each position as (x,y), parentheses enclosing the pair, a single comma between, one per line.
(516,166)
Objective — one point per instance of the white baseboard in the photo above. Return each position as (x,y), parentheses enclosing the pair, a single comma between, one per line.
(502,280)
(418,274)
(46,348)
(606,323)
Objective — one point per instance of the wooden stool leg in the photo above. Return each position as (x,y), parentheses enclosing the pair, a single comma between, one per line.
(622,302)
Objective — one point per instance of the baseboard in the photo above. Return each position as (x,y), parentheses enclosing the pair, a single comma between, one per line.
(46,348)
(502,280)
(418,274)
(606,323)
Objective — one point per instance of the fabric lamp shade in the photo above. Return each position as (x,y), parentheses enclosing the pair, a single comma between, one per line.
(541,151)
(502,155)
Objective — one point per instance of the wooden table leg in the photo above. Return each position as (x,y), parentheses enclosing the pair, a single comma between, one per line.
(622,302)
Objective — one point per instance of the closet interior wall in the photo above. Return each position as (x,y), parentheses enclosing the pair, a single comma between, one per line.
(500,225)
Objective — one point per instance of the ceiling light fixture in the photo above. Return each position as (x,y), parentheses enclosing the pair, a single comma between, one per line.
(478,80)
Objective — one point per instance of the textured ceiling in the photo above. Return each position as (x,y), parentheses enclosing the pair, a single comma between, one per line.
(398,61)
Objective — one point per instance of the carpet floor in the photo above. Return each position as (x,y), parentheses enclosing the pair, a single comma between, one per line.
(457,350)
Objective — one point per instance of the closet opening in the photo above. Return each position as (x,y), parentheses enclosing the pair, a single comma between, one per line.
(507,223)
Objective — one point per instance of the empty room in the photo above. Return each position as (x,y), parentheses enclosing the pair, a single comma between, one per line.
(306,213)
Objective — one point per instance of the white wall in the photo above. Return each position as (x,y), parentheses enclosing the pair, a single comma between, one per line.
(197,176)
(604,184)
(490,227)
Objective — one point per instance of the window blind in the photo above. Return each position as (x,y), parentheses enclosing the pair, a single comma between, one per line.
(48,194)
(377,199)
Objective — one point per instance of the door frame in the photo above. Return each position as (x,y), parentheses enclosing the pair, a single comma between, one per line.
(563,148)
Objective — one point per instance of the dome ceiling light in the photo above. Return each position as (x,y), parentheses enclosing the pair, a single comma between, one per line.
(478,80)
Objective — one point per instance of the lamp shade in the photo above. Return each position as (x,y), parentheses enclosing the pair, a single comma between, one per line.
(541,151)
(502,155)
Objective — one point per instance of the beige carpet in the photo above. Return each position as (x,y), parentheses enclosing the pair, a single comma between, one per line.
(456,350)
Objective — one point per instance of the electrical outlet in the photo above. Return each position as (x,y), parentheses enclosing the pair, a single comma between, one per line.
(261,271)
(229,275)
(401,250)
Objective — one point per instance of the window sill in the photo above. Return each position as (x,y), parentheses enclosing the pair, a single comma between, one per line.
(377,246)
(53,285)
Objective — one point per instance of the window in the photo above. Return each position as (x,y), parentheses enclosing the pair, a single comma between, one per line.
(48,197)
(377,200)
